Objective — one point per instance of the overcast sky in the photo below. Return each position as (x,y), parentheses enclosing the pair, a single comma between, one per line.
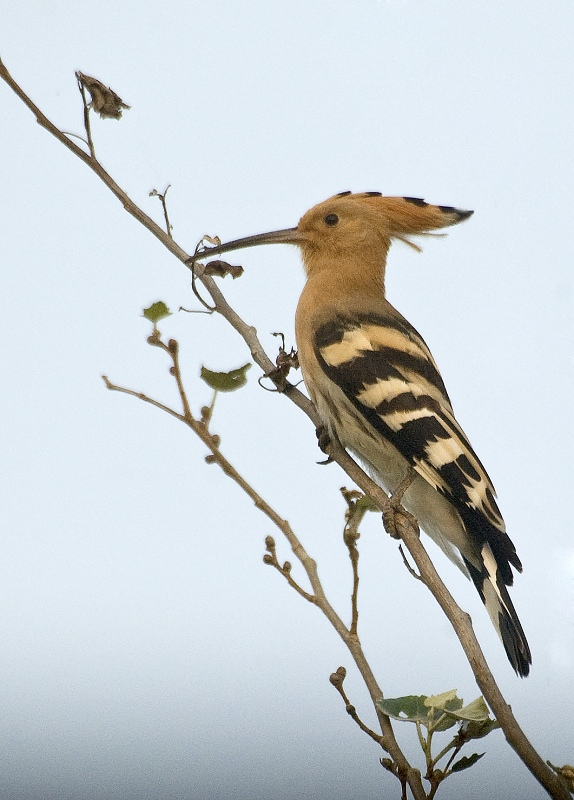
(145,649)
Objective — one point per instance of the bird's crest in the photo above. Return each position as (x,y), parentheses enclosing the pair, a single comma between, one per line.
(391,217)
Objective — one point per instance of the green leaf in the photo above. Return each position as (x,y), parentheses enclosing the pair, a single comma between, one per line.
(446,700)
(476,729)
(476,711)
(440,705)
(442,721)
(411,707)
(465,762)
(156,312)
(440,712)
(225,381)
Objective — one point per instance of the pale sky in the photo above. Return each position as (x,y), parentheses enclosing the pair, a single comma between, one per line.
(145,649)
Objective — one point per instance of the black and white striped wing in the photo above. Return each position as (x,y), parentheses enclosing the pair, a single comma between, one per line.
(386,370)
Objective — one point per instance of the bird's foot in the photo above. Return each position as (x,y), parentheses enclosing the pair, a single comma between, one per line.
(323,440)
(395,516)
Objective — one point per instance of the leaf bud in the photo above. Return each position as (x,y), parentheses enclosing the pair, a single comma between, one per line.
(337,678)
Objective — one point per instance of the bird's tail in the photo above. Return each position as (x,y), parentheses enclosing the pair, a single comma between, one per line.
(496,599)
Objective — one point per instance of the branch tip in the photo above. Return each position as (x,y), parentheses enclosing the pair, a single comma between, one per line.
(336,678)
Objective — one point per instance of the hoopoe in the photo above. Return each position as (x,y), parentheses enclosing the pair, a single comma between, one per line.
(379,392)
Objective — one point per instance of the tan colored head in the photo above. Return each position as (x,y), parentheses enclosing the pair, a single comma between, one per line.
(359,225)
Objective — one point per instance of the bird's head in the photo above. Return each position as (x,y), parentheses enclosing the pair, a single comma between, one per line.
(359,225)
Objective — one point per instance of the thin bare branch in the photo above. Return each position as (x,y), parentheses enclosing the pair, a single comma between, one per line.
(351,535)
(141,396)
(415,574)
(336,680)
(155,193)
(87,125)
(284,569)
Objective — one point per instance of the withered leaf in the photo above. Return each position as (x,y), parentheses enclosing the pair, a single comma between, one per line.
(221,268)
(211,239)
(286,361)
(105,101)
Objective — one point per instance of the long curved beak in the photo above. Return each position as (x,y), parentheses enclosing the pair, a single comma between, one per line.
(285,236)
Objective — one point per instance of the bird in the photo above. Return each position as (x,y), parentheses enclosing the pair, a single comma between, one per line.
(379,393)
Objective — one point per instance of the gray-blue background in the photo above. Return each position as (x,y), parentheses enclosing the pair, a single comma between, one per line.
(145,650)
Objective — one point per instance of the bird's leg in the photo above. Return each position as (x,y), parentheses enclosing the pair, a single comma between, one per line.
(395,515)
(323,440)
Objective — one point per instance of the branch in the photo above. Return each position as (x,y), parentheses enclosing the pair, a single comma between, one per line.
(459,620)
(96,167)
(402,768)
(258,354)
(462,625)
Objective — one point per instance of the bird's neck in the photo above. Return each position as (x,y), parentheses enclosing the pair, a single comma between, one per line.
(334,279)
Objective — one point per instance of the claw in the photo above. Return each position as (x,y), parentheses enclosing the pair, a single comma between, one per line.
(392,515)
(323,438)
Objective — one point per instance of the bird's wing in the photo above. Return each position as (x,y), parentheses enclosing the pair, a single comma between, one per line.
(386,370)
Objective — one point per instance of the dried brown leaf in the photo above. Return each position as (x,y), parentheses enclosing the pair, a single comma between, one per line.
(221,268)
(105,101)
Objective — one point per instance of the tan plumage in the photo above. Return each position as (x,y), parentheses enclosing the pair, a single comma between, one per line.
(378,390)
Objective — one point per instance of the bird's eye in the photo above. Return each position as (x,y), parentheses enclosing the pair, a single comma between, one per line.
(331,220)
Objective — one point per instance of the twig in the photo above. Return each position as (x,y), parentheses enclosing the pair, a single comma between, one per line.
(141,396)
(87,125)
(155,193)
(336,680)
(351,535)
(415,574)
(271,558)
